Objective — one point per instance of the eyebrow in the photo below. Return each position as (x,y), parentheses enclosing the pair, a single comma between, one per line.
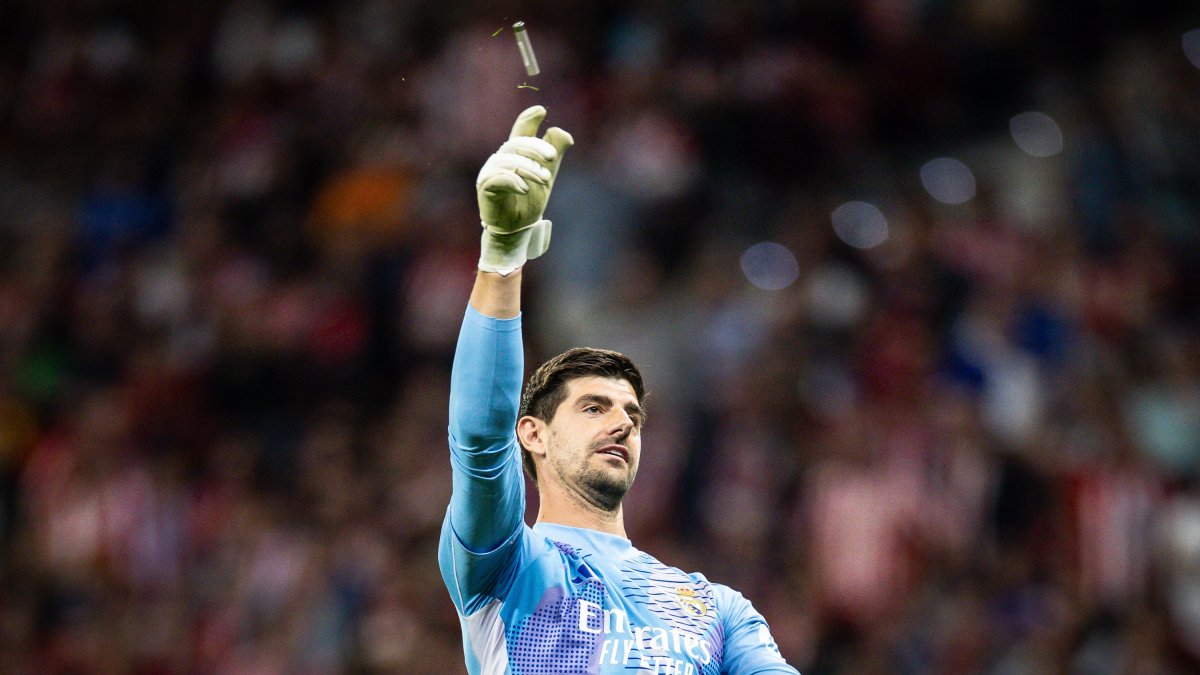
(633,409)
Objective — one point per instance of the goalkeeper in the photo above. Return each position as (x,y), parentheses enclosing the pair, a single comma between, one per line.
(571,594)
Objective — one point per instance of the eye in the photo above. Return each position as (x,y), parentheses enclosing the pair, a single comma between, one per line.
(592,409)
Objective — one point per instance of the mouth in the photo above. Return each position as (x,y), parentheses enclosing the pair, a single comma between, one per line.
(618,451)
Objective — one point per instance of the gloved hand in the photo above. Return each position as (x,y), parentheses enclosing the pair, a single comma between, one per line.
(513,187)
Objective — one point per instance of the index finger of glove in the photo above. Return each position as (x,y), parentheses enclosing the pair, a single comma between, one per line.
(532,147)
(528,122)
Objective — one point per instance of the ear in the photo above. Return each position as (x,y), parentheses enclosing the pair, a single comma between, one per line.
(531,432)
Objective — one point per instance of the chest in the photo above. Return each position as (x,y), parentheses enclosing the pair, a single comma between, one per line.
(579,615)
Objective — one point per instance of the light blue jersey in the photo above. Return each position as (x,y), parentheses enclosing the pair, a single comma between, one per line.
(552,599)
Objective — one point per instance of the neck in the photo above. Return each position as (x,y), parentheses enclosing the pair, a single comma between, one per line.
(560,508)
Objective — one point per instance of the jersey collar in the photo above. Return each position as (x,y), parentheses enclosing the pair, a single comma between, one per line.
(587,540)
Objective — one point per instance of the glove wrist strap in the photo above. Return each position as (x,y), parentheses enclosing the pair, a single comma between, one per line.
(506,252)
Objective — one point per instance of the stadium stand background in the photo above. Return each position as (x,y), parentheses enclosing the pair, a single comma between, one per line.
(236,239)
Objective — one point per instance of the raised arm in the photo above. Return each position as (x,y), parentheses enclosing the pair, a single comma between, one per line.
(497,296)
(488,501)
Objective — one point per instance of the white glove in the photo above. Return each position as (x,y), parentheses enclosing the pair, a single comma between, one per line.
(513,187)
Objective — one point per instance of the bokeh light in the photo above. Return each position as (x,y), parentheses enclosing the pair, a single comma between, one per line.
(1191,46)
(948,180)
(770,266)
(1036,133)
(836,296)
(860,224)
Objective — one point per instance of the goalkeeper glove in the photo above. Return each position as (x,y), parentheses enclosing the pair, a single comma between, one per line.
(513,187)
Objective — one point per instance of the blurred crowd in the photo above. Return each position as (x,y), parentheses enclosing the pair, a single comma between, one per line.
(237,239)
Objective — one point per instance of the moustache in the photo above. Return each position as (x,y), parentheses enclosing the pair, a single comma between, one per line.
(611,440)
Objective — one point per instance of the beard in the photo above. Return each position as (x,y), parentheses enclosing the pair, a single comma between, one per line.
(603,489)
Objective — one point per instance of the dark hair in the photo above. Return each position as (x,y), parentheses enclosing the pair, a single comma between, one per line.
(547,387)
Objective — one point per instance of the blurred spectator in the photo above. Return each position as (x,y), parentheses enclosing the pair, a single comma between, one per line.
(237,241)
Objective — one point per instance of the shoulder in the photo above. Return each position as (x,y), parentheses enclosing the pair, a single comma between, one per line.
(735,609)
(729,601)
(725,594)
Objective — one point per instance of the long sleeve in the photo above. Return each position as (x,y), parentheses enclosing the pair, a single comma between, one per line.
(488,500)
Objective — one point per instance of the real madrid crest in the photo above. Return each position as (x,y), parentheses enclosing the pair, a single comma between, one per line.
(686,599)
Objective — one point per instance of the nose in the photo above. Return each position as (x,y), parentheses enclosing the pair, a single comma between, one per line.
(621,423)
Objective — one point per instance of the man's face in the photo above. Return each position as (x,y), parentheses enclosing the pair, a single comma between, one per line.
(594,441)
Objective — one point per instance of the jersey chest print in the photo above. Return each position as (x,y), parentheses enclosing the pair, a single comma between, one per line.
(654,619)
